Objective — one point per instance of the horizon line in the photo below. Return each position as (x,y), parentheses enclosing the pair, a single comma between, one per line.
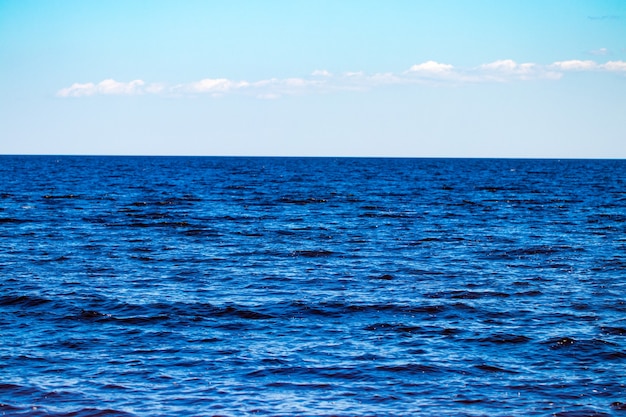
(551,158)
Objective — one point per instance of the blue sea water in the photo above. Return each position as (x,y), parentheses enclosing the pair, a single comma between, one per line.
(190,286)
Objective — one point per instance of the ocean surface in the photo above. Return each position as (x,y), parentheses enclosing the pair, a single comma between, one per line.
(206,286)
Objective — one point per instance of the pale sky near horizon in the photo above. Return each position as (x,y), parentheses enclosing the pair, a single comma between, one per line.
(448,78)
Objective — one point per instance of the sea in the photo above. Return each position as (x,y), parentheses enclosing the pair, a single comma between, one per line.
(262,286)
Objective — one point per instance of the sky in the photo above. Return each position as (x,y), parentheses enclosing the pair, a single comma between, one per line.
(397,78)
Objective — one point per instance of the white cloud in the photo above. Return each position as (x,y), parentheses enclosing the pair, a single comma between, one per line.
(574,65)
(432,67)
(507,69)
(216,85)
(432,72)
(78,90)
(496,71)
(322,81)
(321,73)
(106,87)
(615,66)
(506,65)
(276,87)
(113,87)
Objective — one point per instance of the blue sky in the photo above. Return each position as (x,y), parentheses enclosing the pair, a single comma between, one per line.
(481,78)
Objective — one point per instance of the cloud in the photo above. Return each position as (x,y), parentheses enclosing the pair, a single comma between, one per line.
(507,70)
(431,67)
(105,87)
(497,71)
(433,72)
(615,66)
(509,66)
(78,90)
(321,73)
(323,81)
(215,85)
(599,52)
(574,65)
(113,87)
(156,88)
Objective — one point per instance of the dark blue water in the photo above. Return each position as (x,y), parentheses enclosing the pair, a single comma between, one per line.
(152,286)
